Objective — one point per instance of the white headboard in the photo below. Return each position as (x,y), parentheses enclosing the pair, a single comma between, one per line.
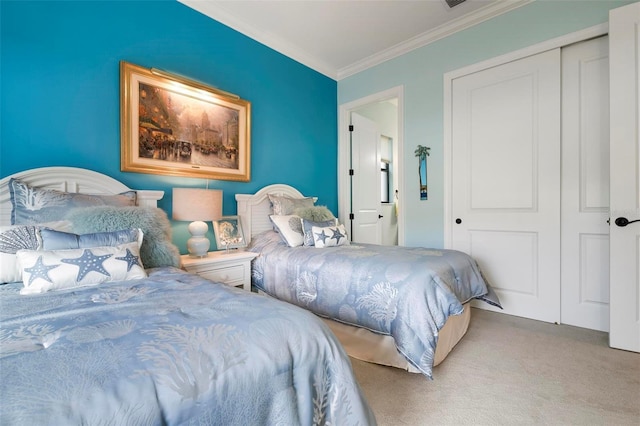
(254,209)
(70,179)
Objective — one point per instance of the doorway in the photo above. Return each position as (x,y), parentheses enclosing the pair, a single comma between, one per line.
(383,148)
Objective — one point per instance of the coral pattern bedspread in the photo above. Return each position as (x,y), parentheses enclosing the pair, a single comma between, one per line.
(169,349)
(404,292)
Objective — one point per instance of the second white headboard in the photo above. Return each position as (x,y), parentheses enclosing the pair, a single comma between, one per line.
(254,209)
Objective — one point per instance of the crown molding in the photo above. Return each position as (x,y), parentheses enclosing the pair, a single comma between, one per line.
(451,27)
(215,10)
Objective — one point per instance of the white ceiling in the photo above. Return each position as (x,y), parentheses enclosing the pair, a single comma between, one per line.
(339,38)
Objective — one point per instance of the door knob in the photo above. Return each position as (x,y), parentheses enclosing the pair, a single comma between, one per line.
(380,216)
(458,221)
(623,221)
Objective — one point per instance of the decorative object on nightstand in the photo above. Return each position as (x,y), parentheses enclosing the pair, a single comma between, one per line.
(233,268)
(228,232)
(197,205)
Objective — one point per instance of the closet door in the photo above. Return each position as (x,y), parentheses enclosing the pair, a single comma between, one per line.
(585,185)
(624,50)
(506,180)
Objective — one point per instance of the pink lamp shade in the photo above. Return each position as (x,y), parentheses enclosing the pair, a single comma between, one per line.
(197,205)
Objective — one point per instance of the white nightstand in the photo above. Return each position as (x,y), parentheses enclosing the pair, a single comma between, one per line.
(233,268)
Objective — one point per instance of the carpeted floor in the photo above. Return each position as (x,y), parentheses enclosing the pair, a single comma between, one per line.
(512,371)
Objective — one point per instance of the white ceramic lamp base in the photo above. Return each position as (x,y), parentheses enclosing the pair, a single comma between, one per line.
(198,245)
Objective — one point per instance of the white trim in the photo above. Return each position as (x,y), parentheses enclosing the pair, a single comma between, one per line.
(467,21)
(344,114)
(216,11)
(449,77)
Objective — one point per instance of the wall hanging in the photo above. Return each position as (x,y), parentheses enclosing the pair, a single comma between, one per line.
(422,153)
(174,126)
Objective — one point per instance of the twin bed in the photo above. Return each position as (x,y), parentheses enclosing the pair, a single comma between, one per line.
(166,348)
(397,306)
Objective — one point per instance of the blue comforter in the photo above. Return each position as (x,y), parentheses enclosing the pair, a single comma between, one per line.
(170,349)
(407,293)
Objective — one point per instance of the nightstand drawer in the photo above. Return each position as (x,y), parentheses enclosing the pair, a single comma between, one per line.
(232,275)
(233,269)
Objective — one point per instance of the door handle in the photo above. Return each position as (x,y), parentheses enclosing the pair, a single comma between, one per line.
(623,221)
(380,216)
(458,221)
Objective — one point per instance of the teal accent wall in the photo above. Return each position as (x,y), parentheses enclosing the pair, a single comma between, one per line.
(421,73)
(60,101)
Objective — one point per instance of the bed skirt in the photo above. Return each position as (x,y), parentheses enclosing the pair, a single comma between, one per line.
(365,345)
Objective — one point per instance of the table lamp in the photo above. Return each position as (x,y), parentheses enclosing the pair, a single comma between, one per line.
(197,205)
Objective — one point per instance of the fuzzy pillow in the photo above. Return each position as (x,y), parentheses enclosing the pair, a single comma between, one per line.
(157,248)
(284,205)
(315,213)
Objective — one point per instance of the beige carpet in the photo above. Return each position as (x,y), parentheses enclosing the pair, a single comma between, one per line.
(512,371)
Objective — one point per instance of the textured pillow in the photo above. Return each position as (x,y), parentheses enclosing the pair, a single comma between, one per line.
(31,205)
(307,226)
(290,229)
(156,250)
(283,205)
(315,213)
(330,236)
(61,269)
(14,238)
(57,240)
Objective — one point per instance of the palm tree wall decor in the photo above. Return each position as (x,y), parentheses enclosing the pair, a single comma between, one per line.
(422,153)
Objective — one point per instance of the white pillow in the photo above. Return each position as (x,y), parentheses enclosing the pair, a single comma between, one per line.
(10,270)
(330,236)
(290,229)
(45,270)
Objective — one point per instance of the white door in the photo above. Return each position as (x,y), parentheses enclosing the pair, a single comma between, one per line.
(365,192)
(624,57)
(584,300)
(506,180)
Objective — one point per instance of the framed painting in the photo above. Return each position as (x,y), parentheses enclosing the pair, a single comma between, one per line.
(171,125)
(228,233)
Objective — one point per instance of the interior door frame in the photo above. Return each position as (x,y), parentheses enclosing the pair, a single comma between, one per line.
(558,42)
(344,119)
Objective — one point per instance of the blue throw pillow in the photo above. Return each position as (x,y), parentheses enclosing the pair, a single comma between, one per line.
(32,205)
(307,226)
(57,240)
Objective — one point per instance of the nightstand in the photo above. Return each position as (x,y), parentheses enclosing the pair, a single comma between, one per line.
(232,268)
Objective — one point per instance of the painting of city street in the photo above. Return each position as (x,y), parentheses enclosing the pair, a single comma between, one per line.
(177,127)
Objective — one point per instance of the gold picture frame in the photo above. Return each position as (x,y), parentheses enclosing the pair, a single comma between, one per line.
(174,126)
